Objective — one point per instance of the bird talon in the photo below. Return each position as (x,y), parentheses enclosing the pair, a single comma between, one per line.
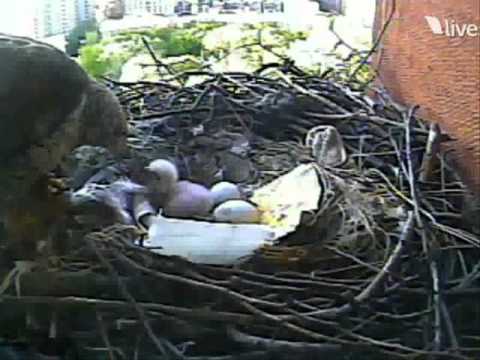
(56,185)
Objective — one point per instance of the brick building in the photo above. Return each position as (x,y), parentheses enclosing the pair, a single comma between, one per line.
(439,72)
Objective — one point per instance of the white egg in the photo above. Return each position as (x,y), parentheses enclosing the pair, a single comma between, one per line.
(237,212)
(224,191)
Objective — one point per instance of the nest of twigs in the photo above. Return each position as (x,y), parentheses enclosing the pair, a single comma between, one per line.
(387,268)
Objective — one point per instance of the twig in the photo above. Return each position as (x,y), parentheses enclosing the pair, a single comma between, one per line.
(141,314)
(377,42)
(104,335)
(158,63)
(431,152)
(256,341)
(449,327)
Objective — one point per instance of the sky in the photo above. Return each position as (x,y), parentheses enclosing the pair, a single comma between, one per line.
(15,15)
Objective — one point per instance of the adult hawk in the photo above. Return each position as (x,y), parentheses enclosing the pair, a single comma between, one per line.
(48,106)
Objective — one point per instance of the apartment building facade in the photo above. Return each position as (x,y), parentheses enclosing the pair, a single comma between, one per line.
(55,17)
(85,9)
(164,7)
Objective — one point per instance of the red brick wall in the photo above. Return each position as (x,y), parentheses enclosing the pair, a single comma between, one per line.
(437,72)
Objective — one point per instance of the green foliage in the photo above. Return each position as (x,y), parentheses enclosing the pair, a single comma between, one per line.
(91,38)
(351,70)
(98,63)
(171,41)
(92,58)
(365,73)
(203,29)
(176,42)
(78,35)
(354,68)
(260,43)
(165,42)
(264,42)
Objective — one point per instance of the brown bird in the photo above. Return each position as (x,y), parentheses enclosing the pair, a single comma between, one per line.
(47,102)
(30,221)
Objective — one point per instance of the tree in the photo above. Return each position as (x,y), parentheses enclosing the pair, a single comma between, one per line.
(93,60)
(91,38)
(78,35)
(267,40)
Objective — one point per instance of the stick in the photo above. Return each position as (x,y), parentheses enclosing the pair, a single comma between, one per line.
(431,151)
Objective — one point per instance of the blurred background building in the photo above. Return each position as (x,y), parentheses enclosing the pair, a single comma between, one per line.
(164,7)
(43,18)
(85,9)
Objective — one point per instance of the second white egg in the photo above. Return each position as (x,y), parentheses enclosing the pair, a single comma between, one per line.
(224,191)
(237,212)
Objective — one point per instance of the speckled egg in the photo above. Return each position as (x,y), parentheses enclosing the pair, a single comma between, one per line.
(237,212)
(224,191)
